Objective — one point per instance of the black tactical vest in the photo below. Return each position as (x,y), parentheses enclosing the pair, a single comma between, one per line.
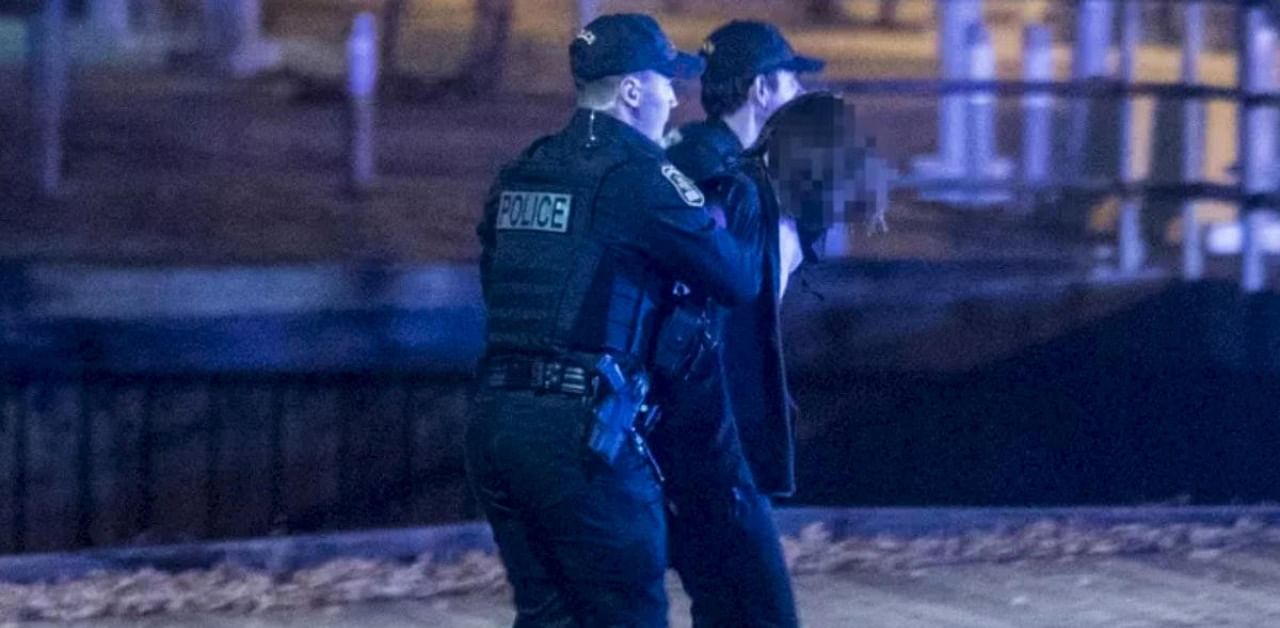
(553,285)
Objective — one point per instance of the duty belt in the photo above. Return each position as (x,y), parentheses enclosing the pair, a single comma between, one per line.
(539,375)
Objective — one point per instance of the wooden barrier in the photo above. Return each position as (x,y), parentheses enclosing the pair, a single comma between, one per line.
(100,460)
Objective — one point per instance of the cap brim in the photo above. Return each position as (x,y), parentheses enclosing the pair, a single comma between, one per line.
(804,65)
(683,66)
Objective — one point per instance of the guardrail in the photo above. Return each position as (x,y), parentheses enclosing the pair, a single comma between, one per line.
(968,171)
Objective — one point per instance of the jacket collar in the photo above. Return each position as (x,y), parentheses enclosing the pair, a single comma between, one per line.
(718,137)
(608,129)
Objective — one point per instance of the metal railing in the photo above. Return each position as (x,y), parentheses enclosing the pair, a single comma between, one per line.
(966,170)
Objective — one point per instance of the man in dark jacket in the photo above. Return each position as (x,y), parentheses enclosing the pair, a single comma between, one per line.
(582,237)
(726,440)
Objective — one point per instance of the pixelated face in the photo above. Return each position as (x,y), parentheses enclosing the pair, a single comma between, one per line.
(651,107)
(824,174)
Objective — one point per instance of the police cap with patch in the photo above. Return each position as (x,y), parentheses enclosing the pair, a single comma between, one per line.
(744,48)
(622,43)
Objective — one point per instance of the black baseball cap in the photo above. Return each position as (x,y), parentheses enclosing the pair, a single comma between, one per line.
(744,48)
(621,43)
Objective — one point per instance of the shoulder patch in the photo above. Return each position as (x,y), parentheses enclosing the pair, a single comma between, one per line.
(685,187)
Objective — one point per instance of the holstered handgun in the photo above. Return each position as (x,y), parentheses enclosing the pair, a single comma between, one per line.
(619,402)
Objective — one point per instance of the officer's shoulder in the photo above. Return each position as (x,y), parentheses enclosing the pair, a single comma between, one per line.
(658,180)
(535,146)
(699,151)
(534,151)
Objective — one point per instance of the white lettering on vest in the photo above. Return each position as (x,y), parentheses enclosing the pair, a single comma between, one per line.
(523,210)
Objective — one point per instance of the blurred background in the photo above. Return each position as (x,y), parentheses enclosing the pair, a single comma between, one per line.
(237,284)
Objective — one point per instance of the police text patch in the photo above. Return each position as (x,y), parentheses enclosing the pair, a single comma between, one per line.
(688,190)
(521,210)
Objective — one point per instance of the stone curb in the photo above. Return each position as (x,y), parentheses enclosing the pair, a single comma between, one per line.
(449,542)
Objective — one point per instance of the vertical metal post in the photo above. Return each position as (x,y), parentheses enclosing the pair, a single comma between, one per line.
(1132,243)
(1094,28)
(362,83)
(1257,135)
(1037,107)
(982,164)
(46,32)
(1193,141)
(1095,22)
(954,19)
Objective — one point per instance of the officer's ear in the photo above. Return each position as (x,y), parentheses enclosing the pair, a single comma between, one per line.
(759,92)
(629,90)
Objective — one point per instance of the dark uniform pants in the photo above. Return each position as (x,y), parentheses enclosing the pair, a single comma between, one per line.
(723,540)
(584,544)
(730,561)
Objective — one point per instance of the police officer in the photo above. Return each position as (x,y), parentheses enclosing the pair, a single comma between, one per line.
(726,441)
(582,236)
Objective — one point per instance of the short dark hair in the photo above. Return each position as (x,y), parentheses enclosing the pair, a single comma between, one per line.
(721,98)
(598,93)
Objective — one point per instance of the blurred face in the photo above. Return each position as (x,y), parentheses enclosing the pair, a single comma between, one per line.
(649,99)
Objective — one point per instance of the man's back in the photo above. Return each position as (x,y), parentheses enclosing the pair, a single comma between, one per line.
(720,438)
(758,394)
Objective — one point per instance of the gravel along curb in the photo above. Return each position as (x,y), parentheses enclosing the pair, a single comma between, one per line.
(319,571)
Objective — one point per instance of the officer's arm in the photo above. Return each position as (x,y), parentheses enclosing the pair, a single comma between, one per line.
(681,238)
(692,248)
(740,200)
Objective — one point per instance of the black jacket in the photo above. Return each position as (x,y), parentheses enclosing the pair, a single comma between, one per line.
(634,223)
(755,376)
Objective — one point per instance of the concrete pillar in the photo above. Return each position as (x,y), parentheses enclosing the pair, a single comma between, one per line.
(233,38)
